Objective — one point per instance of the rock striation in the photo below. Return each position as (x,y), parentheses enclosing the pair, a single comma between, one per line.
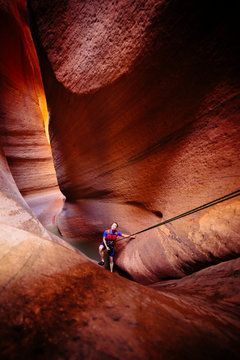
(24,114)
(59,304)
(145,125)
(54,302)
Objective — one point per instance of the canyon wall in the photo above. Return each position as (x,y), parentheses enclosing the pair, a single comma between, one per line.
(24,115)
(144,102)
(54,302)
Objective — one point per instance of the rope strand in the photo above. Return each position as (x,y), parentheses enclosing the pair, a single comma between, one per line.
(199,208)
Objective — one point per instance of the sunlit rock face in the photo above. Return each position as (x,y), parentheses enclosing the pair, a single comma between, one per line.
(56,304)
(144,102)
(23,105)
(24,114)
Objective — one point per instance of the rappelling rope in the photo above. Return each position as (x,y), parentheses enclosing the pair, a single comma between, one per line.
(199,208)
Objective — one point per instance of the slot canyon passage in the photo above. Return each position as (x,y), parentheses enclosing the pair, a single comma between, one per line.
(142,101)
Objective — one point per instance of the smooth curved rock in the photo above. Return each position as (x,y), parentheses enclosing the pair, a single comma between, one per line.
(23,105)
(24,115)
(160,135)
(55,303)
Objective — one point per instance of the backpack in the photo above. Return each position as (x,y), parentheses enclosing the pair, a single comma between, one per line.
(110,238)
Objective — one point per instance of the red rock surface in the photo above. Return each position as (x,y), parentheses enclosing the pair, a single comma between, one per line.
(46,206)
(57,304)
(158,133)
(24,115)
(23,105)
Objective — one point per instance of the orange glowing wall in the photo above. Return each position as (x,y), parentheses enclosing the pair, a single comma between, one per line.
(24,113)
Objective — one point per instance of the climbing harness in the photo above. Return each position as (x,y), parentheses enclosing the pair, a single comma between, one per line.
(199,208)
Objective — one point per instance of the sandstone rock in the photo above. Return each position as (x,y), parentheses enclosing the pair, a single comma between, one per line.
(54,302)
(46,206)
(23,105)
(158,133)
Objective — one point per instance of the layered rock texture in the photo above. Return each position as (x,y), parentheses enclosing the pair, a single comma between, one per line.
(24,115)
(144,124)
(144,101)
